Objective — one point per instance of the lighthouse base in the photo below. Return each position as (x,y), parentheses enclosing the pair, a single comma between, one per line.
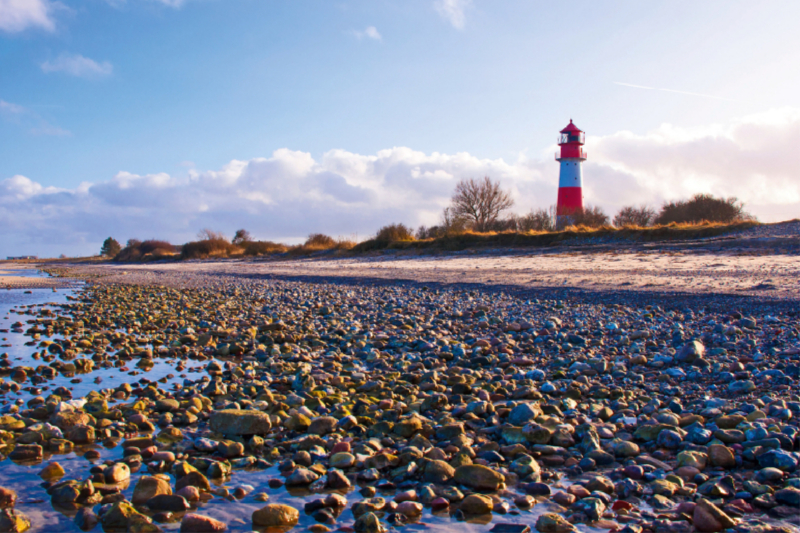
(570,203)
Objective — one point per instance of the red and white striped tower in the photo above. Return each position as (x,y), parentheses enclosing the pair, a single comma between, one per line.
(570,181)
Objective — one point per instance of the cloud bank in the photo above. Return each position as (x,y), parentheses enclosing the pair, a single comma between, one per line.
(78,66)
(19,15)
(290,194)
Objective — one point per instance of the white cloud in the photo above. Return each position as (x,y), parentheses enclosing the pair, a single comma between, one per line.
(453,11)
(674,91)
(19,15)
(78,65)
(11,109)
(36,124)
(291,194)
(170,3)
(370,32)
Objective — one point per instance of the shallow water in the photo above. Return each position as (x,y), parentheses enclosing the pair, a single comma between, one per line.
(35,502)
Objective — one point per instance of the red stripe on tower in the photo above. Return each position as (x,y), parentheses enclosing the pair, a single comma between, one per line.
(570,181)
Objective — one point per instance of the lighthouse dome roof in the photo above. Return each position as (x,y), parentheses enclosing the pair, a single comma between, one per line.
(571,128)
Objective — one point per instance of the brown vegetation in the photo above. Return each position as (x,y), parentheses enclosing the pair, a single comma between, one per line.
(703,207)
(641,216)
(149,250)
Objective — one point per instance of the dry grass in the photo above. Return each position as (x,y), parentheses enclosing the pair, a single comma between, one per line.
(318,243)
(472,239)
(151,250)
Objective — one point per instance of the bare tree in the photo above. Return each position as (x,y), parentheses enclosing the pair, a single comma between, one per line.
(480,202)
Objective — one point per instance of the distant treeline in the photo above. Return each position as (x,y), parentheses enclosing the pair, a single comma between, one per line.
(478,213)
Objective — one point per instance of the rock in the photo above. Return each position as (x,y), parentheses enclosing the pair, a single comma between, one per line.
(148,487)
(230,449)
(121,515)
(479,477)
(117,473)
(337,480)
(26,452)
(67,419)
(240,422)
(704,521)
(476,504)
(85,519)
(197,523)
(52,472)
(626,448)
(168,502)
(553,523)
(7,498)
(301,476)
(196,479)
(342,460)
(410,509)
(297,422)
(322,425)
(81,434)
(12,521)
(190,493)
(780,459)
(721,455)
(524,413)
(368,523)
(696,459)
(708,518)
(537,434)
(788,496)
(276,515)
(691,351)
(406,428)
(438,472)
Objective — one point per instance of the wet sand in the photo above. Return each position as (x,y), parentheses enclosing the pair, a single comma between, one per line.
(660,275)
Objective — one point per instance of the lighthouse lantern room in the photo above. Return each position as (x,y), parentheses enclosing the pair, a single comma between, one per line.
(570,182)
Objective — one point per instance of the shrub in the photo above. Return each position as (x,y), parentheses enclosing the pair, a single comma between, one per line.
(539,220)
(242,236)
(151,249)
(264,248)
(395,233)
(320,240)
(110,248)
(702,207)
(641,216)
(588,217)
(209,248)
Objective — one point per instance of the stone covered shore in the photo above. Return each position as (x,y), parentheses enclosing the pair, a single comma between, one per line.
(382,405)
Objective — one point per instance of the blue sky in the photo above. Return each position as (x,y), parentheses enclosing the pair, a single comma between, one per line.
(92,90)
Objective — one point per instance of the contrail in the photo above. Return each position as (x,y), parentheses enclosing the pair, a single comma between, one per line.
(675,91)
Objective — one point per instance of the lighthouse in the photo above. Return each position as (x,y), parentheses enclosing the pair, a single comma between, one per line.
(570,181)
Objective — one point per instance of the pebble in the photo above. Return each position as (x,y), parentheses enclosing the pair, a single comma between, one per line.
(457,402)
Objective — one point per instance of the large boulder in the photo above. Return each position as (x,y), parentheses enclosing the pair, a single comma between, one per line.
(197,523)
(476,504)
(148,487)
(322,425)
(240,422)
(439,472)
(12,521)
(479,477)
(276,515)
